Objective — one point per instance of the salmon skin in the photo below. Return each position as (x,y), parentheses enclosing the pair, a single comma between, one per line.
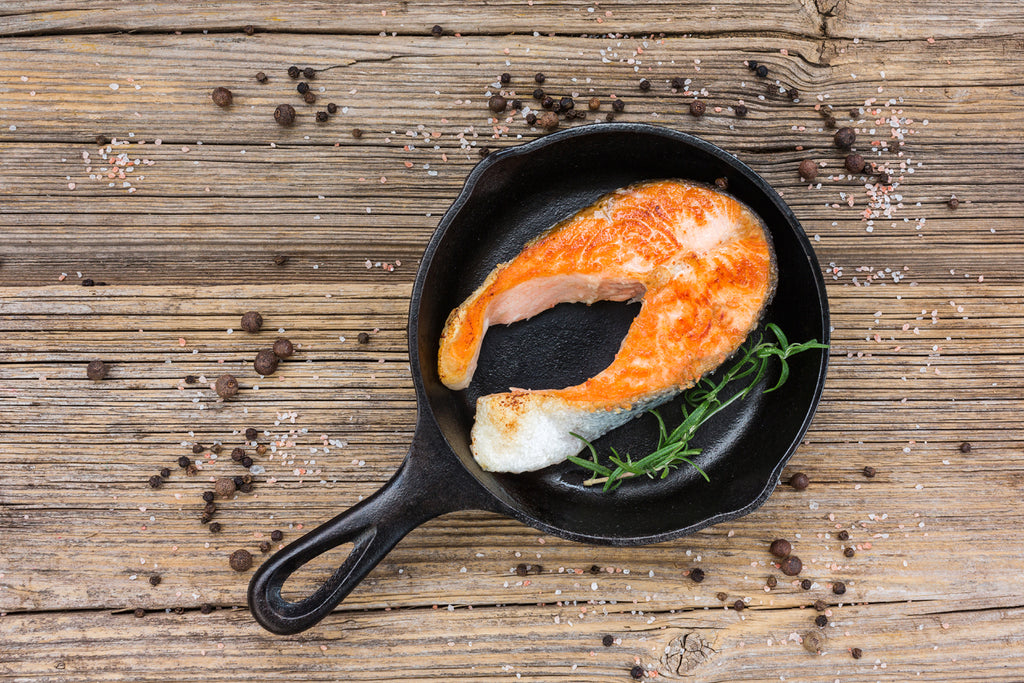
(700,262)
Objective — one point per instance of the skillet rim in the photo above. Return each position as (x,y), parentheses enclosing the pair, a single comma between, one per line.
(425,409)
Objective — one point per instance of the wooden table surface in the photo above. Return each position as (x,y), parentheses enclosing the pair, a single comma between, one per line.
(927,305)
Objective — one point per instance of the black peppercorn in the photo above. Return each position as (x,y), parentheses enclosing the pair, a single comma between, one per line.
(192,470)
(191,379)
(246,462)
(856,653)
(807,584)
(761,70)
(332,108)
(645,85)
(249,30)
(155,481)
(741,110)
(198,448)
(870,472)
(609,117)
(696,574)
(771,582)
(522,569)
(208,496)
(567,103)
(751,64)
(96,370)
(357,133)
(793,94)
(780,548)
(966,447)
(505,78)
(678,82)
(284,114)
(139,613)
(799,481)
(838,587)
(226,386)
(952,204)
(215,527)
(854,163)
(261,77)
(608,641)
(845,137)
(266,362)
(309,72)
(739,605)
(484,152)
(238,481)
(791,566)
(155,580)
(594,569)
(637,672)
(210,509)
(293,71)
(820,605)
(165,472)
(206,608)
(516,104)
(246,487)
(436,30)
(548,120)
(538,77)
(184,461)
(497,104)
(556,106)
(276,535)
(216,448)
(830,121)
(88,282)
(302,87)
(363,338)
(547,102)
(618,105)
(264,546)
(250,433)
(280,259)
(722,183)
(821,621)
(849,552)
(309,97)
(697,108)
(252,321)
(883,177)
(531,119)
(240,560)
(237,454)
(538,93)
(222,97)
(321,117)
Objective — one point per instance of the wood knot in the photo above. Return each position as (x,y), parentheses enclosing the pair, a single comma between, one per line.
(685,653)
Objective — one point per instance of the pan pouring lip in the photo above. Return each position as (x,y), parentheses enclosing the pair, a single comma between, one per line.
(509,198)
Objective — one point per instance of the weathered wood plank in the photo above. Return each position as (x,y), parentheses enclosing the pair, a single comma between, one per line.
(312,17)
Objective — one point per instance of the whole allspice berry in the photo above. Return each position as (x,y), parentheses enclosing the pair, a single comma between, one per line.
(780,548)
(240,560)
(799,481)
(252,321)
(808,169)
(284,114)
(283,348)
(224,487)
(548,120)
(222,97)
(845,137)
(854,163)
(96,370)
(697,108)
(497,104)
(791,566)
(266,362)
(226,386)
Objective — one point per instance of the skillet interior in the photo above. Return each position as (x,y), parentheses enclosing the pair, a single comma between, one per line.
(515,195)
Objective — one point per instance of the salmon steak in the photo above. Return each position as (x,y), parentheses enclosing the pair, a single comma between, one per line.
(701,264)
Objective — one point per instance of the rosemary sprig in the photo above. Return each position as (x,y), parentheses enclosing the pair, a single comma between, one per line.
(700,404)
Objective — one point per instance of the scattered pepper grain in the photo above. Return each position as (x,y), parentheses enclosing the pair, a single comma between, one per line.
(215,527)
(206,608)
(284,114)
(771,582)
(251,433)
(96,370)
(139,613)
(309,97)
(276,535)
(739,605)
(184,461)
(436,30)
(321,117)
(155,580)
(806,584)
(856,653)
(696,574)
(309,72)
(505,78)
(645,85)
(843,535)
(363,338)
(952,204)
(966,447)
(252,321)
(741,110)
(869,472)
(240,560)
(637,672)
(814,641)
(293,71)
(264,546)
(618,106)
(821,621)
(697,108)
(280,259)
(849,552)
(155,482)
(539,77)
(261,77)
(594,104)
(302,87)
(838,587)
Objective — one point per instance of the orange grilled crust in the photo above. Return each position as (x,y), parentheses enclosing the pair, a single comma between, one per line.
(701,261)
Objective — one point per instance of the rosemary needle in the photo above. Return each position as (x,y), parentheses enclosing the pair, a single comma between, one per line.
(700,404)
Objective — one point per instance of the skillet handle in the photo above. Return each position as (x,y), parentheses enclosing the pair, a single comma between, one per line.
(430,482)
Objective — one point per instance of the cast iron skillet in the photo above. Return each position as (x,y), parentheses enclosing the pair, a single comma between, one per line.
(510,197)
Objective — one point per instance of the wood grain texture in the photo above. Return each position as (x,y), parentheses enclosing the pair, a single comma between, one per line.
(927,310)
